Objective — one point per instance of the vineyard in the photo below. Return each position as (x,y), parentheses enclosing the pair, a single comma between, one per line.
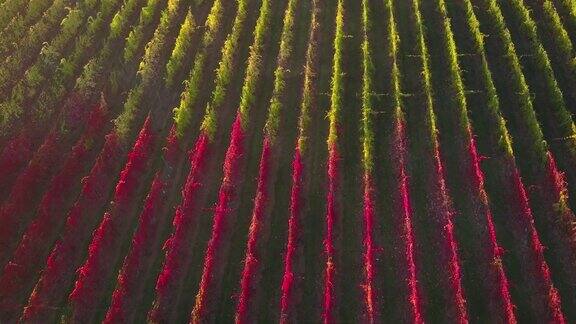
(292,161)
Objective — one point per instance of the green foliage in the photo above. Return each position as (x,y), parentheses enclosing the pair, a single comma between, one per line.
(225,69)
(337,76)
(20,24)
(47,100)
(136,35)
(8,111)
(35,9)
(31,43)
(107,7)
(71,23)
(116,24)
(422,50)
(15,31)
(66,68)
(34,76)
(555,105)
(51,62)
(86,81)
(148,67)
(560,49)
(150,64)
(310,79)
(90,3)
(183,113)
(114,81)
(556,120)
(561,38)
(367,89)
(393,39)
(567,9)
(492,114)
(452,92)
(119,22)
(282,72)
(532,140)
(253,71)
(47,61)
(147,13)
(10,9)
(131,106)
(213,22)
(181,47)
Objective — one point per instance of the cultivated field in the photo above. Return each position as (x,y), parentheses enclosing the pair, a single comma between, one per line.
(293,161)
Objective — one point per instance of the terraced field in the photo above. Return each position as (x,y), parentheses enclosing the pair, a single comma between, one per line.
(293,161)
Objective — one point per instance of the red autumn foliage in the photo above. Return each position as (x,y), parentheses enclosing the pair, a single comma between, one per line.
(369,251)
(146,241)
(66,256)
(557,183)
(290,280)
(28,187)
(223,220)
(15,154)
(442,214)
(557,225)
(138,260)
(500,303)
(544,301)
(437,253)
(108,238)
(329,299)
(404,244)
(251,272)
(17,281)
(17,209)
(19,150)
(172,149)
(177,260)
